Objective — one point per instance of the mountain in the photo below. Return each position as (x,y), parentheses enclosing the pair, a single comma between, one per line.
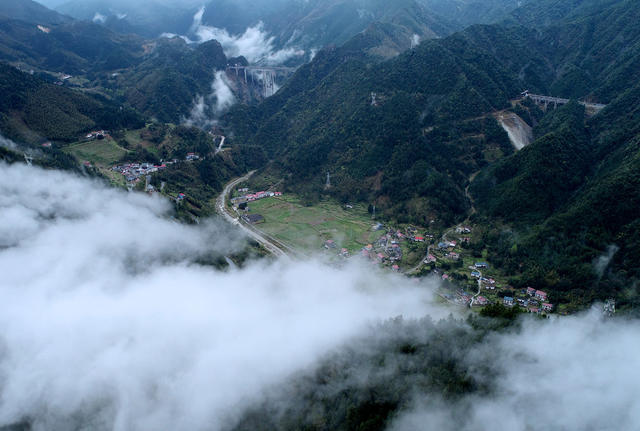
(33,110)
(464,13)
(409,133)
(71,47)
(31,12)
(149,18)
(395,133)
(165,84)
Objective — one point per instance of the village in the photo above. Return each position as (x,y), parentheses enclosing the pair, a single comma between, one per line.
(466,280)
(462,273)
(442,259)
(135,170)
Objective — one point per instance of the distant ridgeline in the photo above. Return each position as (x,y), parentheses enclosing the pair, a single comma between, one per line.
(408,133)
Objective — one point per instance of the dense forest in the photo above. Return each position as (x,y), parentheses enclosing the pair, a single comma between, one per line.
(32,110)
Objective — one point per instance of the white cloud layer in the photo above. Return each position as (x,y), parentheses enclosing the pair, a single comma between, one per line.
(571,373)
(255,44)
(106,322)
(207,108)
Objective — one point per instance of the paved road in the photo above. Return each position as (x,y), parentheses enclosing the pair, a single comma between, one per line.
(231,217)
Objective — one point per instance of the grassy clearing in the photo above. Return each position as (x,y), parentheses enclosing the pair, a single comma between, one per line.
(308,227)
(133,137)
(100,152)
(115,178)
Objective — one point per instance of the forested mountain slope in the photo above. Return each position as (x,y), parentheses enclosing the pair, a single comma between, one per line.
(32,12)
(32,110)
(407,134)
(71,47)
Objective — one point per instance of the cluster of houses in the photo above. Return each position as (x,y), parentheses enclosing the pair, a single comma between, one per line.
(534,301)
(97,134)
(331,245)
(386,249)
(133,171)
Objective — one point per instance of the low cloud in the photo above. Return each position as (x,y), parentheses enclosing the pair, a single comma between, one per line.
(255,44)
(99,18)
(570,373)
(108,323)
(207,108)
(7,143)
(601,263)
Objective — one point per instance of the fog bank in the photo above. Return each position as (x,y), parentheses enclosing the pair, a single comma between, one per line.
(255,43)
(570,373)
(107,322)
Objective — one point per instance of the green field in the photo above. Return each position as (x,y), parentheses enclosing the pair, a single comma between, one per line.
(308,227)
(100,152)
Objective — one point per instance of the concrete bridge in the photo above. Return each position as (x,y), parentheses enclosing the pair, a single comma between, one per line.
(545,101)
(263,75)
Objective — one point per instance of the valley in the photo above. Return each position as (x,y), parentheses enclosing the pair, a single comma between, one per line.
(319,215)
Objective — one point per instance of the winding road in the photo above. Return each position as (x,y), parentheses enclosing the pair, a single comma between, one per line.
(273,246)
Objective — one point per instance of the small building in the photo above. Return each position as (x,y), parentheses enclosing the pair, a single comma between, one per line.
(531,291)
(418,239)
(508,301)
(480,301)
(542,296)
(547,307)
(481,265)
(475,274)
(430,258)
(395,268)
(253,218)
(329,244)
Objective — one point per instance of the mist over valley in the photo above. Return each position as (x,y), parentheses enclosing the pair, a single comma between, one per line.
(319,215)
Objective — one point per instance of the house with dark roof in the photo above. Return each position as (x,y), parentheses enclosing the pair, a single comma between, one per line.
(253,218)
